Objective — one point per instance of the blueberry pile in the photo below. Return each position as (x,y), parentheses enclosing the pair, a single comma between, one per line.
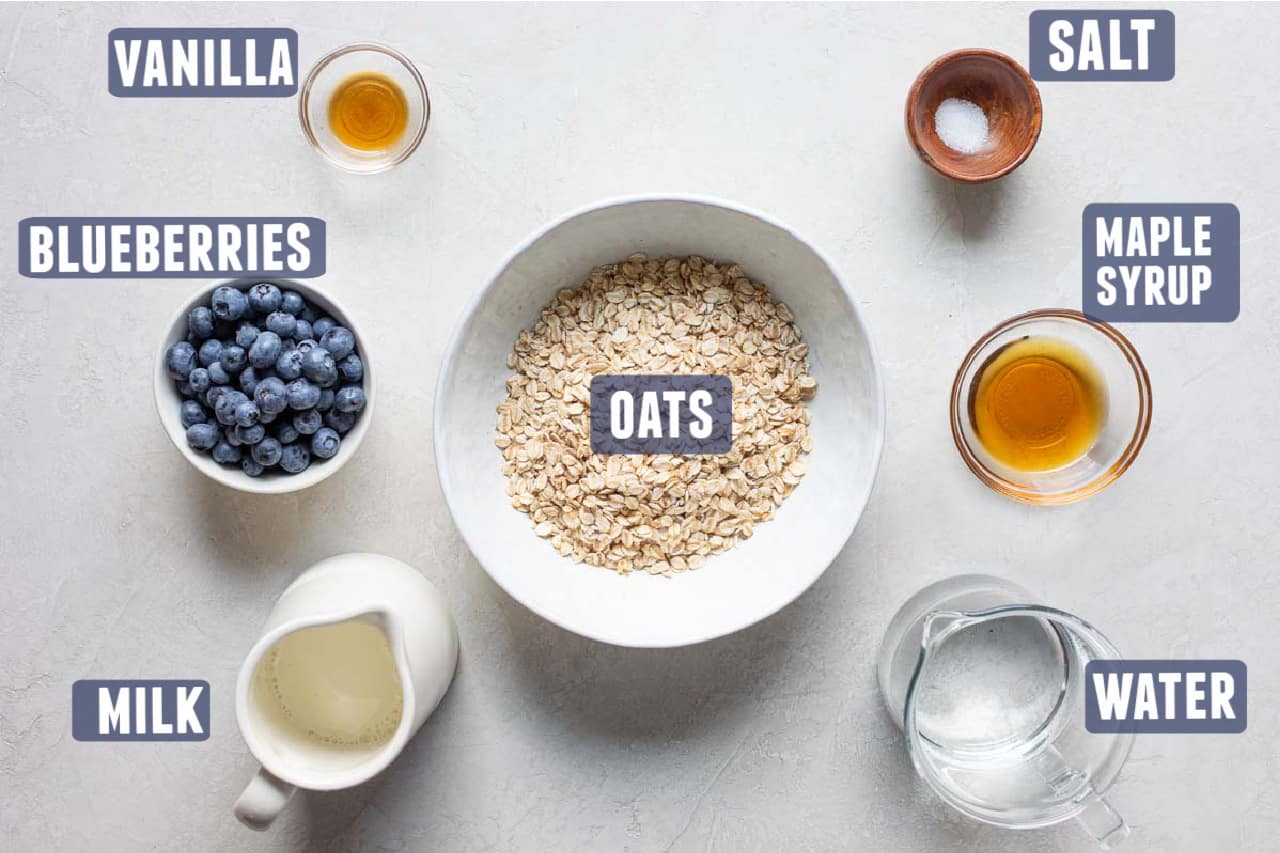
(267,380)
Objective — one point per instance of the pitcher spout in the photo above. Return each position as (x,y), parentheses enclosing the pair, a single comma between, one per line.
(941,624)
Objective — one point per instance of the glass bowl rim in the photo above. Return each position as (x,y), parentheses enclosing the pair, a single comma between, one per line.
(1013,490)
(304,101)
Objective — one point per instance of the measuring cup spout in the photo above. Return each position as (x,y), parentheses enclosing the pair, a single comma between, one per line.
(1103,822)
(940,624)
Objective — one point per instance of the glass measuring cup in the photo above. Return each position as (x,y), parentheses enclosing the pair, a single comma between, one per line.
(987,685)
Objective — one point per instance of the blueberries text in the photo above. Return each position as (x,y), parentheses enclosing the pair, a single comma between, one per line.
(117,247)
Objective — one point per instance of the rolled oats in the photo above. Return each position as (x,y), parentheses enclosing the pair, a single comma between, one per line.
(659,514)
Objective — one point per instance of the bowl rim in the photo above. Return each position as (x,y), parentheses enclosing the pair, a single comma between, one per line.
(913,106)
(1008,488)
(470,317)
(166,395)
(304,101)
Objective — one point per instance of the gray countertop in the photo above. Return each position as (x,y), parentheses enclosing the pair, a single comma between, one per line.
(120,560)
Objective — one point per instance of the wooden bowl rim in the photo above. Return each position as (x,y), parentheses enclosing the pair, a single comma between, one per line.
(913,104)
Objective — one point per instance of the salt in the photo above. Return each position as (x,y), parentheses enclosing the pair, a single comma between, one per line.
(961,125)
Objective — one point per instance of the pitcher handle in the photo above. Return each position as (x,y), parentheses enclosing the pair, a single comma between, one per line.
(1103,822)
(1098,818)
(263,799)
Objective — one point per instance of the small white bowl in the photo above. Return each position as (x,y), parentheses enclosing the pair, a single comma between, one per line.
(753,579)
(169,401)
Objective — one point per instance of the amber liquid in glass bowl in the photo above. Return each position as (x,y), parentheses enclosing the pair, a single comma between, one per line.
(364,108)
(1038,404)
(368,111)
(1050,407)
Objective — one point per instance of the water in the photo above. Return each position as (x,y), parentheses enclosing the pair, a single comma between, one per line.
(991,687)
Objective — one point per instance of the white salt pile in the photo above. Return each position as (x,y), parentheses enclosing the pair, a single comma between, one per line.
(961,125)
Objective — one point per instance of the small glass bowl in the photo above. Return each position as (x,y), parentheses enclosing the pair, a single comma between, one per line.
(1123,432)
(329,73)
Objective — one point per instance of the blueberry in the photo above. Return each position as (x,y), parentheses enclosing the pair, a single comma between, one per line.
(286,432)
(265,297)
(209,351)
(289,364)
(180,360)
(212,396)
(325,443)
(246,334)
(184,388)
(202,436)
(339,342)
(308,313)
(231,436)
(266,452)
(308,422)
(218,374)
(199,381)
(270,396)
(192,413)
(326,400)
(302,329)
(292,303)
(252,467)
(229,303)
(225,407)
(324,324)
(318,366)
(247,413)
(251,434)
(200,322)
(306,345)
(265,350)
(302,394)
(351,368)
(282,324)
(226,453)
(295,458)
(233,359)
(268,417)
(248,380)
(340,421)
(349,399)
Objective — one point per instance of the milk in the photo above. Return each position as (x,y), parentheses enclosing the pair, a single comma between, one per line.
(333,685)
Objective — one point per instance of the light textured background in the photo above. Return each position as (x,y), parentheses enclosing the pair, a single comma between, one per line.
(117,559)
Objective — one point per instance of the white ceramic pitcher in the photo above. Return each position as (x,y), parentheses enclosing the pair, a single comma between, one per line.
(380,591)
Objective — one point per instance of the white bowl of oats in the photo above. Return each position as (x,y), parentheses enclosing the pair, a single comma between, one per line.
(650,550)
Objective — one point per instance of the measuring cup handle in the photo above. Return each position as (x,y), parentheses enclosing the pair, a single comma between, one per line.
(262,800)
(1103,822)
(1098,817)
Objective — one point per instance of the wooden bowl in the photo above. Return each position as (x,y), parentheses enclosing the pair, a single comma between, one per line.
(1004,91)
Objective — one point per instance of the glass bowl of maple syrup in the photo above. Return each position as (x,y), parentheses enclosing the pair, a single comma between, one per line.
(364,107)
(1050,407)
